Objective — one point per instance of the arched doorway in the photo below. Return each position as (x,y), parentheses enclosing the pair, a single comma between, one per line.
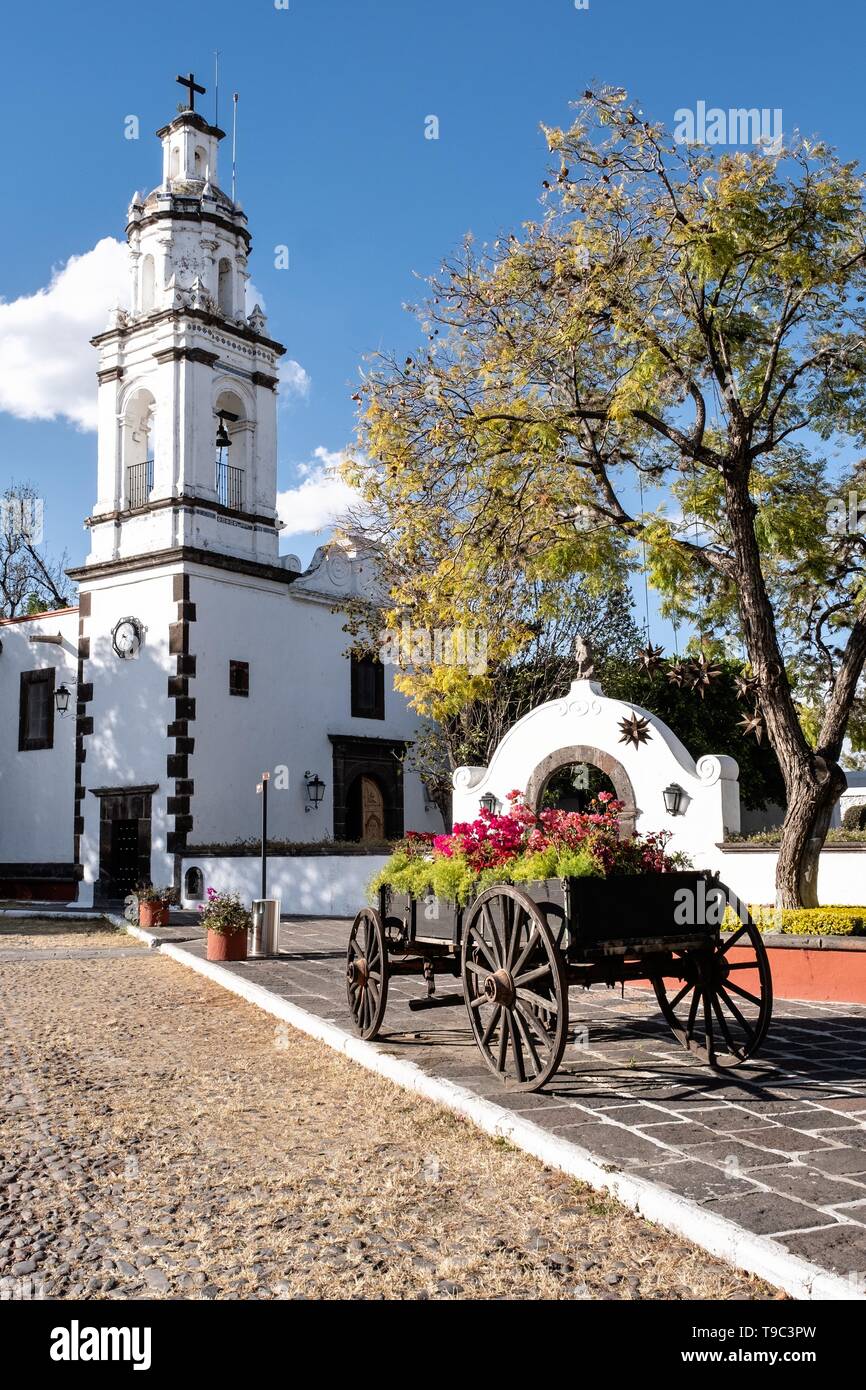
(365,811)
(574,786)
(553,773)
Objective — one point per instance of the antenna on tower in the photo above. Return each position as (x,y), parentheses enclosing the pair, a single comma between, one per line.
(234,143)
(216,87)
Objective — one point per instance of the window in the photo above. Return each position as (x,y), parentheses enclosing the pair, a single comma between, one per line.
(36,710)
(148,284)
(224,290)
(193,884)
(239,678)
(368,688)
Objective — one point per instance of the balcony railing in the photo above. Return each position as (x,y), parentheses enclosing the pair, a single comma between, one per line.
(139,483)
(230,486)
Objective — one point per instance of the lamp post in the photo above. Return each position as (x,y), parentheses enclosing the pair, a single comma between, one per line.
(262,790)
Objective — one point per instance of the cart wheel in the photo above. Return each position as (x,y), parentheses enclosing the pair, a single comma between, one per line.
(515,988)
(719,1000)
(367,972)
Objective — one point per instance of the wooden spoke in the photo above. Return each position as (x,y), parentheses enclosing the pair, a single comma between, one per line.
(685,989)
(723,1024)
(741,1019)
(528,996)
(503,1042)
(495,943)
(481,944)
(732,940)
(515,1047)
(752,998)
(490,1028)
(367,972)
(520,1032)
(693,1011)
(533,941)
(532,975)
(526,1034)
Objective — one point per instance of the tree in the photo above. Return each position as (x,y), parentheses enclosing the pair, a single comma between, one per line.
(30,582)
(469,733)
(661,364)
(709,725)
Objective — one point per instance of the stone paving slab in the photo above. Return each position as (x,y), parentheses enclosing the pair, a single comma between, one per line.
(778,1146)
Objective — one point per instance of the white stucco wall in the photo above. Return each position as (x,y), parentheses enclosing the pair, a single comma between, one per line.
(587,718)
(307,885)
(37,787)
(300,693)
(130,710)
(751,874)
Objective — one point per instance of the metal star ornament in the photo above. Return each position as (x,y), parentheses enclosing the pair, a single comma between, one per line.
(678,672)
(752,724)
(702,673)
(635,730)
(746,687)
(650,657)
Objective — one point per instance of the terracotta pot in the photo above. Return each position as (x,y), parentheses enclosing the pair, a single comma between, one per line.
(153,914)
(223,947)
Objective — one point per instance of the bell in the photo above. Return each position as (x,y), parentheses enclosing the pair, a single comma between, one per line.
(223,439)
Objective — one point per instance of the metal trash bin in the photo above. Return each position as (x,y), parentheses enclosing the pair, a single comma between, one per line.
(265,931)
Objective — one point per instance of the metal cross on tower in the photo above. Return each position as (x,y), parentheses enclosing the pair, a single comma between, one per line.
(193,87)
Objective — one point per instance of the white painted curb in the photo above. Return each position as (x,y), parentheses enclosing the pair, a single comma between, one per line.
(755,1254)
(58,916)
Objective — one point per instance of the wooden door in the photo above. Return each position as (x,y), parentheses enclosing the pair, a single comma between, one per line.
(372,810)
(123,870)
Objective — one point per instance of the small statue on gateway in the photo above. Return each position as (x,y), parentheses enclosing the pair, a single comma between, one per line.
(584,660)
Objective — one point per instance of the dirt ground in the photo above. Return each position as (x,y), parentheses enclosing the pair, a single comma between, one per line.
(164,1138)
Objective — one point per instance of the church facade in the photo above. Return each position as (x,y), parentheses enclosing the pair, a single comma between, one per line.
(198,657)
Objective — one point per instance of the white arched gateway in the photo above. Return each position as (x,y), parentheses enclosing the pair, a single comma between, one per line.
(653,774)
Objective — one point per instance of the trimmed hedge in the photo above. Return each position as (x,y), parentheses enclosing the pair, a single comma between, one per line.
(810,921)
(773,838)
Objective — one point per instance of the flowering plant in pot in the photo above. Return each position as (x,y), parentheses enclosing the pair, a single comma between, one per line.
(153,905)
(227,921)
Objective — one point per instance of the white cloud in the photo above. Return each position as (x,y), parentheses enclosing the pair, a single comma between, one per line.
(252,297)
(47,366)
(294,381)
(321,497)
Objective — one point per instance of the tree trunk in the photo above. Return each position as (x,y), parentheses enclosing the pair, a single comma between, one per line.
(810,807)
(813,780)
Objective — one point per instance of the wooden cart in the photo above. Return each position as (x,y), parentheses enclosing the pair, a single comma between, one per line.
(518,950)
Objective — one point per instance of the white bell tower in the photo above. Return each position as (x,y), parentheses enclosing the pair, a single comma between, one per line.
(187,445)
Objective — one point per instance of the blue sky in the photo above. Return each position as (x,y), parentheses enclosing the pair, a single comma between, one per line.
(332,156)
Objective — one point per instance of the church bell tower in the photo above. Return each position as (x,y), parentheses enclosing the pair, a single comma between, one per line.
(187,374)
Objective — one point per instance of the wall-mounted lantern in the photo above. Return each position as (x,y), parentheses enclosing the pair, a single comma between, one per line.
(674,797)
(315,790)
(489,803)
(62,696)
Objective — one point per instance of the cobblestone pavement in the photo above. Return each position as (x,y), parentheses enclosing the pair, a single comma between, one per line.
(779,1146)
(163,1138)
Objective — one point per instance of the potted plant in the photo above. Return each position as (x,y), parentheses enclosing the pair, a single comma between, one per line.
(227,921)
(153,905)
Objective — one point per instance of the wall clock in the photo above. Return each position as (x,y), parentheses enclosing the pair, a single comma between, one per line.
(126,637)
